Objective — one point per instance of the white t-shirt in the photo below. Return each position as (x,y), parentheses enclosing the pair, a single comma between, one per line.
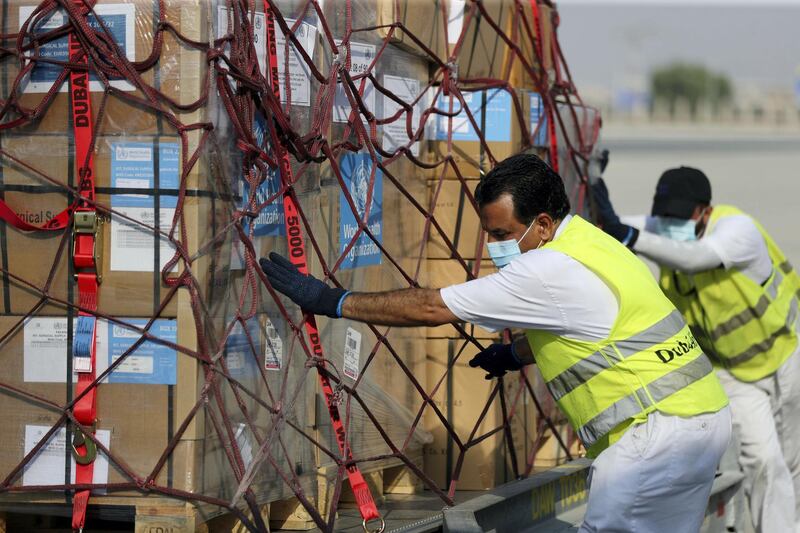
(542,289)
(733,242)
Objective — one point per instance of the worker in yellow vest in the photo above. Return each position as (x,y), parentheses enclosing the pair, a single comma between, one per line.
(615,353)
(738,293)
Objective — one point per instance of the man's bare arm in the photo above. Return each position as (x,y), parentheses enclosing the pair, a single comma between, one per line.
(403,307)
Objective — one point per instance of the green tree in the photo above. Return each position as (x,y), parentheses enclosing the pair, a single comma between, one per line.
(693,84)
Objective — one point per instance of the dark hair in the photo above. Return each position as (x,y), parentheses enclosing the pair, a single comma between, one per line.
(532,184)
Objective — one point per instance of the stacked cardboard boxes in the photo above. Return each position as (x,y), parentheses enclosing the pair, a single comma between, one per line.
(139,164)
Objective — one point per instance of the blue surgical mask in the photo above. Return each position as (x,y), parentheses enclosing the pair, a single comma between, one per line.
(678,229)
(503,252)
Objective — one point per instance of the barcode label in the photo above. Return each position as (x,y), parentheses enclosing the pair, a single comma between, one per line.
(352,353)
(273,348)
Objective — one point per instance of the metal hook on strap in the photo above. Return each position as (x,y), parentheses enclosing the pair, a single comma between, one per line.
(79,439)
(379,529)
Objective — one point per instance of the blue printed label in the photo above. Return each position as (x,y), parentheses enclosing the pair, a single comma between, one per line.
(356,170)
(118,20)
(132,167)
(151,363)
(538,119)
(269,221)
(497,127)
(240,353)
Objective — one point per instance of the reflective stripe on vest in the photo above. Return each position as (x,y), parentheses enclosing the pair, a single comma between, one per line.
(587,368)
(649,361)
(635,403)
(750,329)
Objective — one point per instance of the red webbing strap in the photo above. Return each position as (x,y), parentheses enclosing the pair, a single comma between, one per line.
(58,222)
(86,273)
(298,257)
(550,115)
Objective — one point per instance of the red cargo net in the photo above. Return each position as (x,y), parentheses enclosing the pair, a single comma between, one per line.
(236,82)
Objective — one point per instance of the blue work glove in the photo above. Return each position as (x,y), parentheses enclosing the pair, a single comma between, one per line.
(496,360)
(608,218)
(308,292)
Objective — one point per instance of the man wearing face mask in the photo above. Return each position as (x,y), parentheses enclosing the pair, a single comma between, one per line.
(616,354)
(738,293)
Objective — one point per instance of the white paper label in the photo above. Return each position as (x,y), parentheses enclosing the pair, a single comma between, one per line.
(47,466)
(118,19)
(244,444)
(352,353)
(135,364)
(299,71)
(395,134)
(455,20)
(273,348)
(132,244)
(259,35)
(45,350)
(361,55)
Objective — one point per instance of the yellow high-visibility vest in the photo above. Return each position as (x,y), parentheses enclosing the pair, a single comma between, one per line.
(743,326)
(650,360)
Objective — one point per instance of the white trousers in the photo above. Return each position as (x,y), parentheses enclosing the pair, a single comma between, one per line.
(658,476)
(767,415)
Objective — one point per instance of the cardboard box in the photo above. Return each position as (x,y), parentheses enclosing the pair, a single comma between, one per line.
(461,394)
(353,348)
(446,272)
(458,219)
(439,24)
(519,28)
(425,20)
(134,418)
(179,73)
(508,122)
(137,161)
(131,283)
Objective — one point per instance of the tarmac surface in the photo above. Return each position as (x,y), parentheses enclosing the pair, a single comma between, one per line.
(757,170)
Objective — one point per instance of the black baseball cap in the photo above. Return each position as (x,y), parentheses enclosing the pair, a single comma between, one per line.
(679,191)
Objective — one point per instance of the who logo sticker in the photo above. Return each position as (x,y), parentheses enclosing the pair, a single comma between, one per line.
(356,171)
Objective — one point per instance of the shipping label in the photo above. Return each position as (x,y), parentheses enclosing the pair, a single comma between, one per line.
(45,351)
(455,20)
(118,19)
(356,171)
(361,55)
(538,119)
(299,71)
(133,166)
(497,125)
(273,347)
(352,353)
(395,134)
(240,354)
(269,221)
(151,363)
(47,466)
(259,25)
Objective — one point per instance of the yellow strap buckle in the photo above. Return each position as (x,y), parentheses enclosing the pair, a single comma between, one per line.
(89,223)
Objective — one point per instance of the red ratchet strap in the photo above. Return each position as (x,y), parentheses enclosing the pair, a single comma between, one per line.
(86,255)
(298,257)
(550,115)
(87,264)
